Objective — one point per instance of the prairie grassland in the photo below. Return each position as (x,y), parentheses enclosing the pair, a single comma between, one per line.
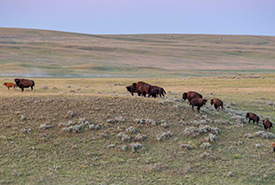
(248,92)
(51,156)
(42,53)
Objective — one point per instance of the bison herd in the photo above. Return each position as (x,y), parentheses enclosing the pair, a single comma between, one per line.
(142,88)
(195,99)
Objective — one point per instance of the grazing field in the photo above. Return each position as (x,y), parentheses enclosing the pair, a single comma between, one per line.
(46,140)
(42,53)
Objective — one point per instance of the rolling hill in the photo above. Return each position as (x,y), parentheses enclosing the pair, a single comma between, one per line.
(42,53)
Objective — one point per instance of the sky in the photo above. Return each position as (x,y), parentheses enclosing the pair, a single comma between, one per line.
(238,17)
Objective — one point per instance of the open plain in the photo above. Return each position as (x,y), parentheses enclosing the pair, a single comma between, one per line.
(90,130)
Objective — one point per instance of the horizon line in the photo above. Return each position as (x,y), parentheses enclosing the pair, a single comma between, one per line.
(86,33)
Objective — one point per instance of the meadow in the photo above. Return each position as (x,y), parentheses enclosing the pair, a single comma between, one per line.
(33,155)
(81,126)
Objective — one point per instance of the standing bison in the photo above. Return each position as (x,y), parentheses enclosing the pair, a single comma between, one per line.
(131,89)
(191,95)
(156,90)
(142,88)
(198,102)
(24,83)
(253,117)
(267,124)
(217,103)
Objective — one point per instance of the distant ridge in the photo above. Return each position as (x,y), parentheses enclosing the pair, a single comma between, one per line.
(45,53)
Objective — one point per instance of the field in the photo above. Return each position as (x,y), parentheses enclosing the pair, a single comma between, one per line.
(41,53)
(81,126)
(33,154)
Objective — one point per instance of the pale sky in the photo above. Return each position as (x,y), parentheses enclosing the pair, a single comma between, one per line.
(242,17)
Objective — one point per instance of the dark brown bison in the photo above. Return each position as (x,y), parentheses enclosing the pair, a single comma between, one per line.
(131,89)
(253,117)
(142,88)
(217,103)
(155,90)
(190,95)
(199,102)
(24,83)
(267,124)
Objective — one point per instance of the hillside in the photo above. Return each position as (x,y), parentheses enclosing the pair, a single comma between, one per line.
(26,52)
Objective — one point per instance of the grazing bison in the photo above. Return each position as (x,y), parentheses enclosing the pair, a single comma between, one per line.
(253,117)
(24,83)
(131,89)
(190,95)
(199,102)
(267,124)
(8,85)
(273,146)
(155,90)
(142,88)
(217,103)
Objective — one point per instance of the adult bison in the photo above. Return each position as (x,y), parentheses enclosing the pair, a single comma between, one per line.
(217,103)
(156,90)
(267,124)
(142,88)
(191,95)
(198,102)
(24,83)
(131,89)
(253,117)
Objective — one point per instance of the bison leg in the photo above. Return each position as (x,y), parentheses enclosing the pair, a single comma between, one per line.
(192,107)
(257,123)
(216,107)
(139,93)
(198,109)
(32,88)
(22,89)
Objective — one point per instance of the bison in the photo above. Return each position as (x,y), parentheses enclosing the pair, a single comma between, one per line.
(217,103)
(253,117)
(155,90)
(191,95)
(267,124)
(142,88)
(24,83)
(131,89)
(199,102)
(8,85)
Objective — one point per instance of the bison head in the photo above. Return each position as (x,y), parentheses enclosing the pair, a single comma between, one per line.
(247,115)
(17,81)
(184,96)
(4,84)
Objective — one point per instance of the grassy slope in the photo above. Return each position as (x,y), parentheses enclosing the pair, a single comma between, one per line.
(50,53)
(53,156)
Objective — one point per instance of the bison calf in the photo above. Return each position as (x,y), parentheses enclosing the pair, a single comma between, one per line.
(191,95)
(8,85)
(217,103)
(24,83)
(199,102)
(253,117)
(267,124)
